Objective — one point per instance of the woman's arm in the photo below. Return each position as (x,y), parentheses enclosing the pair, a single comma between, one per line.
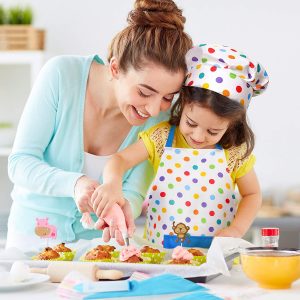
(37,127)
(249,205)
(110,191)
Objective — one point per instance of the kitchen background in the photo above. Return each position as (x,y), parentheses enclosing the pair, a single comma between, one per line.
(267,30)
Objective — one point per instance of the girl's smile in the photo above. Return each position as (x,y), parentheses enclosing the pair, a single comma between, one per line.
(201,127)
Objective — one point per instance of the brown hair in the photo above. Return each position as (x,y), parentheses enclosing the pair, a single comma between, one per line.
(155,33)
(238,131)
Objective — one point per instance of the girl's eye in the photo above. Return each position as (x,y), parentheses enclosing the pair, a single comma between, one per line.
(212,133)
(190,125)
(143,95)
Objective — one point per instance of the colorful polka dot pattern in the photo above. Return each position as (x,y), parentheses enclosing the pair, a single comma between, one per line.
(225,71)
(193,187)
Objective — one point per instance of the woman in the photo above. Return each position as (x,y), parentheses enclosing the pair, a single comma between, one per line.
(81,111)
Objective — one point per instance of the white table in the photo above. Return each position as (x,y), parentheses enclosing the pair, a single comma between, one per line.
(236,287)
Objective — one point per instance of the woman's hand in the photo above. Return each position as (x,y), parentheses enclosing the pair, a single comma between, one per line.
(230,231)
(83,191)
(112,230)
(104,197)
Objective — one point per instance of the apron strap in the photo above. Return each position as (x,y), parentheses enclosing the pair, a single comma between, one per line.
(171,136)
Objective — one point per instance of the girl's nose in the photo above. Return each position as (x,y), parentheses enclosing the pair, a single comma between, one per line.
(199,135)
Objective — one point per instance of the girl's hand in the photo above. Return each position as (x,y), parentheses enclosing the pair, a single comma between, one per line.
(83,191)
(230,231)
(104,197)
(112,231)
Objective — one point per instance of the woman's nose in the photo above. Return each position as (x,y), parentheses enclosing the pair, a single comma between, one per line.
(154,107)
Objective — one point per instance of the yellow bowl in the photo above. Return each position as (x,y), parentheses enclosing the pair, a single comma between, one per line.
(271,268)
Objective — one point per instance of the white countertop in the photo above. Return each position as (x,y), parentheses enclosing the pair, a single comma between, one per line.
(235,287)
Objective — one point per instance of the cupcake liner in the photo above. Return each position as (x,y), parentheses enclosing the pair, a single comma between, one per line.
(67,256)
(169,262)
(237,261)
(199,259)
(114,257)
(82,258)
(53,259)
(153,258)
(115,254)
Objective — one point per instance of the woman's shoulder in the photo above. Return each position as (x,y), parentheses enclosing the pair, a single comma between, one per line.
(68,62)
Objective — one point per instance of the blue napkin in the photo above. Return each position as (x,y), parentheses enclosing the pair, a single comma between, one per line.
(199,296)
(158,285)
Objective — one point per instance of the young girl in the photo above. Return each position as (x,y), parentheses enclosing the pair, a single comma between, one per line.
(199,156)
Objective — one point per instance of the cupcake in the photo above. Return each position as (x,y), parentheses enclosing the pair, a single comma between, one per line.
(106,248)
(130,254)
(198,256)
(195,252)
(97,255)
(48,254)
(62,248)
(65,252)
(181,256)
(110,249)
(153,255)
(147,249)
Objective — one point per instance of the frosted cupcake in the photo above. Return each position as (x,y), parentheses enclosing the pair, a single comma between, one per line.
(181,256)
(153,255)
(130,254)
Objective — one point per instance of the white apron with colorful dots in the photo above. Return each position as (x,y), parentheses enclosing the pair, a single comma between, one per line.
(192,187)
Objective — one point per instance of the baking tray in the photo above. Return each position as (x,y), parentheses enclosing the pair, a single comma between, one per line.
(203,279)
(151,269)
(156,269)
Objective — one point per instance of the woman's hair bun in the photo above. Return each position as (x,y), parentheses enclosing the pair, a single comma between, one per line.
(156,13)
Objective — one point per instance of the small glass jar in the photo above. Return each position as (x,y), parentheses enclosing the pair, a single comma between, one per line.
(270,237)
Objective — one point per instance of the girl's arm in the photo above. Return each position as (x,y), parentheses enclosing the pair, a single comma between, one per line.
(110,191)
(249,205)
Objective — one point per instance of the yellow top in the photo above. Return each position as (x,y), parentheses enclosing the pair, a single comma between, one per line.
(155,139)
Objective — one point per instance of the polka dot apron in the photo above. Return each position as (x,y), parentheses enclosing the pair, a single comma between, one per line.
(191,197)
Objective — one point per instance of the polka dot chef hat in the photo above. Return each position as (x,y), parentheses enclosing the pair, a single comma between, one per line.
(226,71)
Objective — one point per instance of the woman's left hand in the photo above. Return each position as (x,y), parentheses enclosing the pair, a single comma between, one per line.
(230,231)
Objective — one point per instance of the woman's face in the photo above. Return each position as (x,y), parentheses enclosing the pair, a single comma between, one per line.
(142,94)
(201,127)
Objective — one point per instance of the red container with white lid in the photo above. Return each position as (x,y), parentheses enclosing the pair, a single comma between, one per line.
(270,237)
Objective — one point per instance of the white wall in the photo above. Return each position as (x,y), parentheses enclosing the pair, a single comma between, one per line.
(266,30)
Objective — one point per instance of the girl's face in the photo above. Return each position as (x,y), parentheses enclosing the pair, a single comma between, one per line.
(201,127)
(142,94)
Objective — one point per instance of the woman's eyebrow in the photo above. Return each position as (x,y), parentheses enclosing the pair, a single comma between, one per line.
(148,87)
(154,90)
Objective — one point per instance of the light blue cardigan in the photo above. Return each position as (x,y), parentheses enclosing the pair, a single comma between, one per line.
(48,152)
